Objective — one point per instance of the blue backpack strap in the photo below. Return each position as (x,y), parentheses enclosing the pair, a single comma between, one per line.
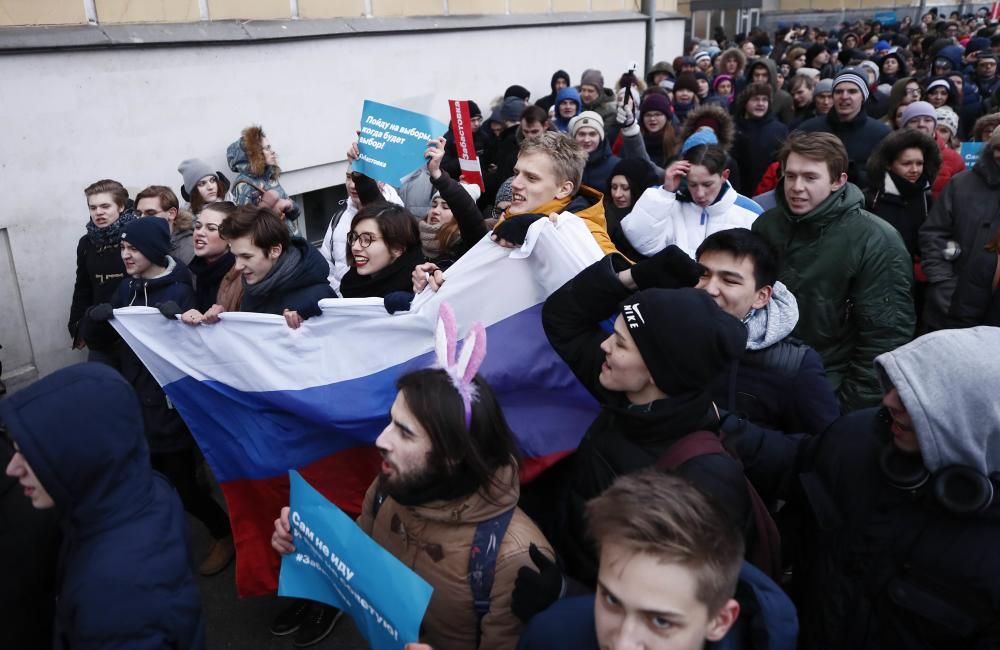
(483,562)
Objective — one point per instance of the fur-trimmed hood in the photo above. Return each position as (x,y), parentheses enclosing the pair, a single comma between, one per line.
(891,146)
(725,134)
(983,124)
(246,155)
(732,53)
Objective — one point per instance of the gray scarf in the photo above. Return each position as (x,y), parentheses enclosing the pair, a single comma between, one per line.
(280,272)
(774,321)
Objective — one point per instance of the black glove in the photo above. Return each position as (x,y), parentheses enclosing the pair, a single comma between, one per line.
(398,301)
(293,212)
(169,309)
(101,312)
(367,189)
(515,229)
(535,591)
(671,268)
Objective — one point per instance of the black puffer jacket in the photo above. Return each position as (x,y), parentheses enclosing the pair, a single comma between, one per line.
(99,271)
(624,437)
(888,568)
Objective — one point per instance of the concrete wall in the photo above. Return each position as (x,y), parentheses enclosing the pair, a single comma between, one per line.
(133,113)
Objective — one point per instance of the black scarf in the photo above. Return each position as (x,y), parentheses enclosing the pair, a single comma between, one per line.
(395,277)
(908,190)
(110,235)
(661,423)
(208,277)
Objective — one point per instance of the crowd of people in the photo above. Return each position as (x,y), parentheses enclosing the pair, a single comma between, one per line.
(797,443)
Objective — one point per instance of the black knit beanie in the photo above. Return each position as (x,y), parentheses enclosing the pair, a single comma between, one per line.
(685,339)
(151,236)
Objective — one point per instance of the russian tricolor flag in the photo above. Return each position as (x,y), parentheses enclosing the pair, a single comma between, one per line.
(261,398)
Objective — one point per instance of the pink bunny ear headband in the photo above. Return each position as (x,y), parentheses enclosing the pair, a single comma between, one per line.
(463,369)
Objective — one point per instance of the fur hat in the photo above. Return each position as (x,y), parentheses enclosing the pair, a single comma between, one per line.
(587,118)
(151,236)
(685,339)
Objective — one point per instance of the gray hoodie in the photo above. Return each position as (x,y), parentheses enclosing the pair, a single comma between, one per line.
(948,380)
(774,321)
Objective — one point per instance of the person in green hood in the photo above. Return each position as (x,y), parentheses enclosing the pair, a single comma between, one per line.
(849,270)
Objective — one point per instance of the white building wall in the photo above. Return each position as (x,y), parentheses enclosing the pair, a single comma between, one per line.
(132,114)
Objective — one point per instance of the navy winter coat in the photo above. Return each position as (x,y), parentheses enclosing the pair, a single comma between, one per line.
(125,571)
(600,163)
(165,430)
(301,291)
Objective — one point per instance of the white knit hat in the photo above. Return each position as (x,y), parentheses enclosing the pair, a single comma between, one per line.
(587,118)
(946,116)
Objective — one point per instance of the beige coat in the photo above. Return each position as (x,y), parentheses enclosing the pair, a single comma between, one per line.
(434,540)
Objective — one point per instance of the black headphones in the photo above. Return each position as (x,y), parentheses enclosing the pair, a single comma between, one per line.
(959,489)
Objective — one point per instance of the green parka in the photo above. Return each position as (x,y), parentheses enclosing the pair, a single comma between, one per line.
(852,277)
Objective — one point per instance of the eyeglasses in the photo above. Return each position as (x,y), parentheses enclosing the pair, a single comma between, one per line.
(366,238)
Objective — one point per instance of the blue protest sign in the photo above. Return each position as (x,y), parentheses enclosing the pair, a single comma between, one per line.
(392,141)
(336,563)
(970,153)
(886,17)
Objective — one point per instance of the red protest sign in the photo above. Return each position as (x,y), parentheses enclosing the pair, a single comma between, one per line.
(461,127)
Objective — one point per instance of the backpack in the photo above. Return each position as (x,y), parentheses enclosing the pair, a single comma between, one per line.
(766,550)
(482,558)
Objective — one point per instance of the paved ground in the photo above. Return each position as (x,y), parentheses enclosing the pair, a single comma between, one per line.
(235,624)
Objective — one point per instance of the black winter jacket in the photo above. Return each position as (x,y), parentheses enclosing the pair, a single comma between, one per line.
(471,226)
(98,273)
(756,147)
(625,437)
(782,387)
(600,163)
(966,212)
(165,430)
(888,568)
(975,302)
(860,137)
